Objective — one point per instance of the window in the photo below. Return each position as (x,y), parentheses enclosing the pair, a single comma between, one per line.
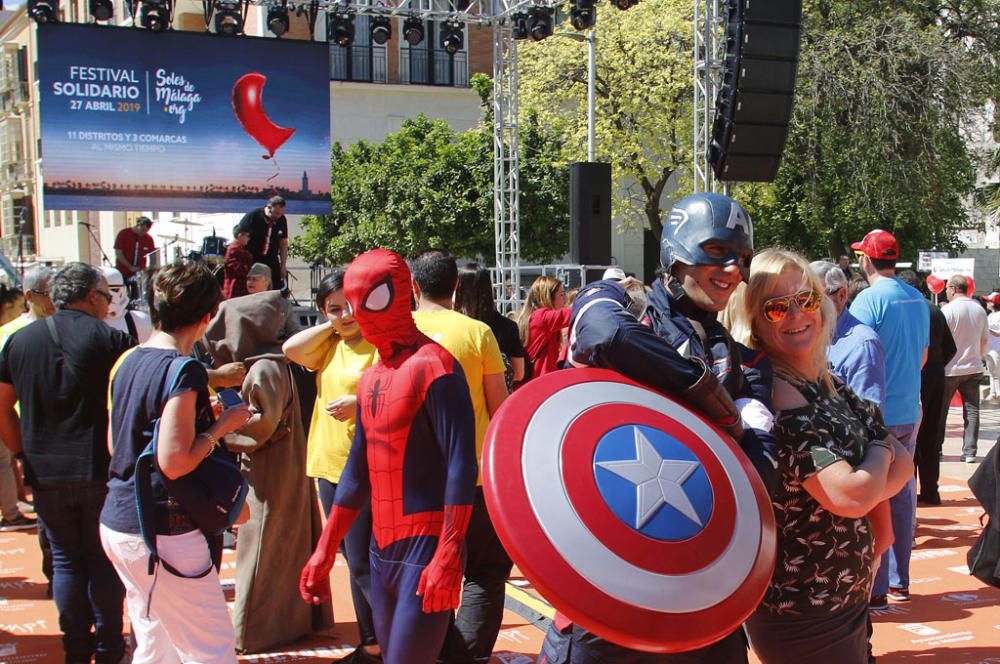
(428,64)
(362,60)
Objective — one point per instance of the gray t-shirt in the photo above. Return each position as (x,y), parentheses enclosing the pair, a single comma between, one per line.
(967,321)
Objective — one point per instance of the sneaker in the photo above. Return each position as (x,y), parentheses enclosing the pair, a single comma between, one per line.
(878,603)
(25,507)
(898,594)
(969,458)
(19,522)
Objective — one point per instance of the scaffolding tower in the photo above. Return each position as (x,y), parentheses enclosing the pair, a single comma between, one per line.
(709,51)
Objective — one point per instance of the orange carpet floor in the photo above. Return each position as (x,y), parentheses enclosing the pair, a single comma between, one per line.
(951,619)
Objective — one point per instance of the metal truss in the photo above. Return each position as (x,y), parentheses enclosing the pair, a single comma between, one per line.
(506,182)
(483,12)
(709,51)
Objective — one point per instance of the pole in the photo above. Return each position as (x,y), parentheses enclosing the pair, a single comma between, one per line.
(591,76)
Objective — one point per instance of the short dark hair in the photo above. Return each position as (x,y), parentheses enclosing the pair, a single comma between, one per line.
(181,294)
(144,221)
(276,200)
(331,283)
(883,263)
(474,295)
(909,277)
(435,272)
(240,228)
(856,285)
(73,283)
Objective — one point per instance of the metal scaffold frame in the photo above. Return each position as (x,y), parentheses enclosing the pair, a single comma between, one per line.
(506,182)
(709,50)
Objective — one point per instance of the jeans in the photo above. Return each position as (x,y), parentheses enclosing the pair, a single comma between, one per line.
(474,630)
(355,549)
(895,568)
(968,389)
(85,587)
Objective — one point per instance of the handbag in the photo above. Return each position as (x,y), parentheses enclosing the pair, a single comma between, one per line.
(212,494)
(984,555)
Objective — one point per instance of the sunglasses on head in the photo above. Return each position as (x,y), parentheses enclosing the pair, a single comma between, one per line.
(776,308)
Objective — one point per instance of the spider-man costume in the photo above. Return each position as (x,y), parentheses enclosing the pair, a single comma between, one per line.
(414,455)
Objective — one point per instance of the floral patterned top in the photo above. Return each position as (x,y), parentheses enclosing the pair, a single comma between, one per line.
(824,560)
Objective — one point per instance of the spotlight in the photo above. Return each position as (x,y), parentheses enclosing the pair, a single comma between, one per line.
(583,15)
(540,23)
(413,30)
(154,15)
(228,18)
(102,10)
(519,25)
(277,19)
(43,11)
(623,4)
(381,29)
(340,29)
(452,37)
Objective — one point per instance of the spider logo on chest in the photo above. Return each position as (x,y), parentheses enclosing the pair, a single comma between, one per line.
(376,397)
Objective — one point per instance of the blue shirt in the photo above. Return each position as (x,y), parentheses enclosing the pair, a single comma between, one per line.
(857,358)
(898,314)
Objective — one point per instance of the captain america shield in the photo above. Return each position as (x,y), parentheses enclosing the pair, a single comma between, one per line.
(631,514)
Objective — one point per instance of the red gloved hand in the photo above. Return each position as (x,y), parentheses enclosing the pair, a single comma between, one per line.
(441,581)
(314,581)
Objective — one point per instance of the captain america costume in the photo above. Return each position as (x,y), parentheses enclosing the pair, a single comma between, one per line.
(413,456)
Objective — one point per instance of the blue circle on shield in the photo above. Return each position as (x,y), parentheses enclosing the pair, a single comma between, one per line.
(653,483)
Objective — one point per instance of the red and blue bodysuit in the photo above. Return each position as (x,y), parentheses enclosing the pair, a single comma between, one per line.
(414,457)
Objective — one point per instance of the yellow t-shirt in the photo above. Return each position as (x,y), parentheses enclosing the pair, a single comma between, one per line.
(6,332)
(329,438)
(476,349)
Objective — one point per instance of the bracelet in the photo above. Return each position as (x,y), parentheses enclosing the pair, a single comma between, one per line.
(884,444)
(213,442)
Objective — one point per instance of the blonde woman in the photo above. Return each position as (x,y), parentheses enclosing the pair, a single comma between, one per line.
(540,324)
(838,464)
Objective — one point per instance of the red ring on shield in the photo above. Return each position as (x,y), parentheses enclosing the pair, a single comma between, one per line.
(582,601)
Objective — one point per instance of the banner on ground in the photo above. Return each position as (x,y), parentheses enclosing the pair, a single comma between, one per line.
(133,120)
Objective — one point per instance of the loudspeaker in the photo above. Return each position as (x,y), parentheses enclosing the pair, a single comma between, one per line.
(754,104)
(590,213)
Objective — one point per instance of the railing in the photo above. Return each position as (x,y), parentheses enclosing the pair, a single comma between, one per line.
(433,67)
(359,62)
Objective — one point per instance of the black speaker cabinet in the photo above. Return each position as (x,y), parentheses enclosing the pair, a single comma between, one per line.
(754,104)
(590,213)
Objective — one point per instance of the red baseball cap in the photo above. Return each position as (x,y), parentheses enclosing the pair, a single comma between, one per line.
(878,244)
(993,298)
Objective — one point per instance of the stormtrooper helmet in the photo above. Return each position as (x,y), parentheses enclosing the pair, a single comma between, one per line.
(116,286)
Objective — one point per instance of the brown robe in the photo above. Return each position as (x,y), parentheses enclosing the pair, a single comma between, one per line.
(284,525)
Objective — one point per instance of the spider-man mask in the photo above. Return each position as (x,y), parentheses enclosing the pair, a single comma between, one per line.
(377,287)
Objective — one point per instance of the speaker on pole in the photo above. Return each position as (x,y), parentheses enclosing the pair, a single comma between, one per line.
(754,104)
(590,213)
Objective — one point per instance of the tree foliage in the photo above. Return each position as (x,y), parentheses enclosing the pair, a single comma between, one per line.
(428,186)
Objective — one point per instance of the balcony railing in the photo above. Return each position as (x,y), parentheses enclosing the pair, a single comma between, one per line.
(434,67)
(359,62)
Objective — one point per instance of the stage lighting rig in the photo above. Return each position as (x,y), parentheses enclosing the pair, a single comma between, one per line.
(452,37)
(381,29)
(277,19)
(154,15)
(340,29)
(413,30)
(228,18)
(519,25)
(623,4)
(43,11)
(540,22)
(583,14)
(102,10)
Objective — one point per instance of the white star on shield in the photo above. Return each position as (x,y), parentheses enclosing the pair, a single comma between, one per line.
(657,481)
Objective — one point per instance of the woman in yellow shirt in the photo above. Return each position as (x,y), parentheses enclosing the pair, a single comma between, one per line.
(339,354)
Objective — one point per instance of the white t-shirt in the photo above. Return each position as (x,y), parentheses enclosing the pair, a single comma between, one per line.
(993,321)
(968,324)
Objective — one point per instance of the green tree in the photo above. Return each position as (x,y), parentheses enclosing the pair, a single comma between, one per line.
(427,185)
(643,100)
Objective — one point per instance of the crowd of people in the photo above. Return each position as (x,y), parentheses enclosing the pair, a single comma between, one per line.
(835,384)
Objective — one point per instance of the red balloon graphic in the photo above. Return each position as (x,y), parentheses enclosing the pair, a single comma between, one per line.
(248,106)
(935,284)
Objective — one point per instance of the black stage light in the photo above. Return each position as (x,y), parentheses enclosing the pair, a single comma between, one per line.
(381,29)
(413,30)
(519,25)
(540,23)
(228,18)
(277,19)
(583,14)
(341,29)
(102,10)
(154,15)
(452,37)
(43,11)
(623,4)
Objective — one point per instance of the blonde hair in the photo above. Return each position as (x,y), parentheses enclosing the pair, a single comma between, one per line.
(540,296)
(744,312)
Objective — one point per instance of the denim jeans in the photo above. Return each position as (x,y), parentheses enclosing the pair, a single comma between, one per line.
(968,390)
(86,589)
(895,568)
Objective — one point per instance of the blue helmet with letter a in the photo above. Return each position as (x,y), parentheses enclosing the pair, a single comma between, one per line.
(702,219)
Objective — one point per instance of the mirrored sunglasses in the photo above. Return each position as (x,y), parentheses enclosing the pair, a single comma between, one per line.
(776,308)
